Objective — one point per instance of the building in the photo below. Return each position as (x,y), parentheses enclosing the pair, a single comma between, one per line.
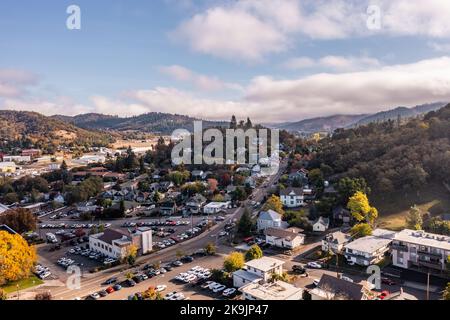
(17,159)
(168,208)
(7,167)
(278,290)
(269,219)
(3,208)
(335,242)
(216,207)
(420,250)
(292,197)
(4,227)
(33,153)
(321,225)
(195,203)
(369,250)
(332,288)
(114,243)
(285,238)
(257,271)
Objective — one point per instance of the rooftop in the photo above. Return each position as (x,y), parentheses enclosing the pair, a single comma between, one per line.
(368,244)
(110,235)
(334,287)
(269,215)
(264,264)
(289,234)
(249,276)
(288,191)
(424,238)
(273,291)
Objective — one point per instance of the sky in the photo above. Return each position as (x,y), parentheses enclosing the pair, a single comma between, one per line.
(270,60)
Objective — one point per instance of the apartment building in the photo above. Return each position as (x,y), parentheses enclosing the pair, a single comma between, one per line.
(257,271)
(420,250)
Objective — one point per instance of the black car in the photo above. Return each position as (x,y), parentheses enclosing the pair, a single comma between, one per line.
(298,269)
(147,267)
(187,259)
(110,281)
(103,293)
(168,267)
(138,279)
(129,283)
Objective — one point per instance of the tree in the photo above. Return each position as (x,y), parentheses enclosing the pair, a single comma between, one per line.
(245,224)
(17,258)
(131,254)
(248,124)
(233,122)
(151,294)
(64,166)
(3,295)
(20,220)
(360,208)
(446,292)
(179,254)
(210,249)
(414,219)
(234,262)
(11,198)
(274,203)
(361,230)
(254,252)
(347,187)
(316,178)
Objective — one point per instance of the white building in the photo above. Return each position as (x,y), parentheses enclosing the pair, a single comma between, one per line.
(335,242)
(332,288)
(285,238)
(7,167)
(369,250)
(269,219)
(420,250)
(17,159)
(257,271)
(88,159)
(278,290)
(292,197)
(321,225)
(114,243)
(216,207)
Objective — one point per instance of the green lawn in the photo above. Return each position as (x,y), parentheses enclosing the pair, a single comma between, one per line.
(393,209)
(23,284)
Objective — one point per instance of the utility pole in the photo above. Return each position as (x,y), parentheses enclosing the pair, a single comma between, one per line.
(428,285)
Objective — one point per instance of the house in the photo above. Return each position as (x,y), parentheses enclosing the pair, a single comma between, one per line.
(278,290)
(290,238)
(87,206)
(269,219)
(332,288)
(115,243)
(341,214)
(298,176)
(420,251)
(59,198)
(335,242)
(216,207)
(321,225)
(257,271)
(292,197)
(33,153)
(7,167)
(368,250)
(197,174)
(195,203)
(131,206)
(168,208)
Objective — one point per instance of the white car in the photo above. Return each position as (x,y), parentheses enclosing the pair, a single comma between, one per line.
(161,288)
(228,292)
(316,282)
(170,295)
(190,278)
(212,285)
(219,288)
(314,265)
(95,296)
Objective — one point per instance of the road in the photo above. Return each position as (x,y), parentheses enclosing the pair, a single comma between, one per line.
(92,282)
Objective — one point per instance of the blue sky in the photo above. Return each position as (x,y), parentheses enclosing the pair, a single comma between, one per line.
(272,60)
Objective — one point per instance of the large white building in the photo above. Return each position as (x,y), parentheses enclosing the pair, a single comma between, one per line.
(278,290)
(420,250)
(114,243)
(216,207)
(257,271)
(369,250)
(292,197)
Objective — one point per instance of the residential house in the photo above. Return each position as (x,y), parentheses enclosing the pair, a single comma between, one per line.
(257,271)
(298,176)
(290,238)
(332,288)
(369,250)
(335,242)
(420,251)
(87,206)
(168,208)
(321,225)
(342,215)
(195,203)
(216,207)
(59,198)
(292,197)
(278,290)
(270,219)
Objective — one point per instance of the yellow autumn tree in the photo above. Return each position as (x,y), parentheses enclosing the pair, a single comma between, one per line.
(234,261)
(17,258)
(360,208)
(274,203)
(131,254)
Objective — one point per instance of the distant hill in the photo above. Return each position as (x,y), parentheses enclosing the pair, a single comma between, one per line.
(328,124)
(153,122)
(37,128)
(331,123)
(402,112)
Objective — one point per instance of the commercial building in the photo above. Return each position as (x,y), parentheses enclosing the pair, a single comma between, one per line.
(257,271)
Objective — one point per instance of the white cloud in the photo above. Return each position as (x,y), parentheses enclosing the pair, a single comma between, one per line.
(13,82)
(336,63)
(200,81)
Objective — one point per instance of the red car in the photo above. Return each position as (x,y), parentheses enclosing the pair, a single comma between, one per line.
(110,290)
(384,294)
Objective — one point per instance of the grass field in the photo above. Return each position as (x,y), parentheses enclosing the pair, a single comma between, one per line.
(394,208)
(23,284)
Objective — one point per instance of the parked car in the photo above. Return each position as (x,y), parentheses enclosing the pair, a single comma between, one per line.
(95,296)
(388,281)
(298,269)
(177,263)
(314,265)
(218,289)
(161,288)
(109,290)
(117,287)
(103,293)
(110,281)
(229,292)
